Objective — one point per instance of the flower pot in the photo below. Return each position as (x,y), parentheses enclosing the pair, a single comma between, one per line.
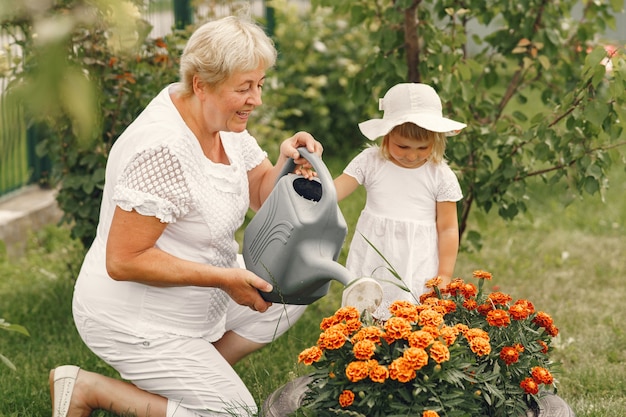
(286,399)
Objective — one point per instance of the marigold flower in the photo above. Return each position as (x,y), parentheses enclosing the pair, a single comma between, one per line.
(310,355)
(439,352)
(462,328)
(372,333)
(469,290)
(331,339)
(529,386)
(346,398)
(398,328)
(417,358)
(509,355)
(448,334)
(552,330)
(476,333)
(430,318)
(454,287)
(379,373)
(328,322)
(433,282)
(405,310)
(519,347)
(364,349)
(541,375)
(519,312)
(543,319)
(401,370)
(357,370)
(347,313)
(480,274)
(499,298)
(480,346)
(485,308)
(420,339)
(433,330)
(544,346)
(498,318)
(430,413)
(470,304)
(427,295)
(353,325)
(449,306)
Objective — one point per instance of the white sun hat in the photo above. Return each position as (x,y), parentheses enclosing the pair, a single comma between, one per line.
(410,102)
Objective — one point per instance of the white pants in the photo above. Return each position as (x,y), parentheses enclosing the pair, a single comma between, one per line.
(188,371)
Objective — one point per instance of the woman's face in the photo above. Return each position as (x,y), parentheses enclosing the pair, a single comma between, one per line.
(408,152)
(229,105)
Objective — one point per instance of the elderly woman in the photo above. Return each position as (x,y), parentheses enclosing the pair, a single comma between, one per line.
(160,296)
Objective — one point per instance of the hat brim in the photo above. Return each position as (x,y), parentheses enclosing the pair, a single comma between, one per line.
(375,128)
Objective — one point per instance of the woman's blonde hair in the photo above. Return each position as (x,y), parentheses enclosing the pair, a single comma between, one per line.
(220,48)
(413,131)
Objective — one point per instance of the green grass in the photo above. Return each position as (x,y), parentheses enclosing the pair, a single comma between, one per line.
(568,261)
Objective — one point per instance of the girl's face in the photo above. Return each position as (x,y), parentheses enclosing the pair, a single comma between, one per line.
(408,152)
(232,102)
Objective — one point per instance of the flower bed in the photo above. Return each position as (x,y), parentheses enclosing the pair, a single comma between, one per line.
(459,352)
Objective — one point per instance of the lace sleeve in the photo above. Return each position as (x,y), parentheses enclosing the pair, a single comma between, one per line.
(361,164)
(154,185)
(449,187)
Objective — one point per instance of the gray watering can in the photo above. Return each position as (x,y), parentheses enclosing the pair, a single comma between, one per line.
(295,238)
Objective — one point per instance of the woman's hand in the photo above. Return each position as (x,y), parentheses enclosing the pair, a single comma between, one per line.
(289,149)
(243,287)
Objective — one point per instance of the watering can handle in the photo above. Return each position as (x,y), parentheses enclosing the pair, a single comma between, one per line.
(326,179)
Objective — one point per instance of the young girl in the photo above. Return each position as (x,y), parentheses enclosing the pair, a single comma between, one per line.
(410,213)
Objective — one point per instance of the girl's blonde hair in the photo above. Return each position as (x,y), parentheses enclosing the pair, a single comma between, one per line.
(413,131)
(220,48)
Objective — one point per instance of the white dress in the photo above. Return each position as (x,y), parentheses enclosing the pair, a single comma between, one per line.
(399,219)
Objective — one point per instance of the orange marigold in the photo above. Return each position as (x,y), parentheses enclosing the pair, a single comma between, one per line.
(379,373)
(552,330)
(439,352)
(469,290)
(364,349)
(454,287)
(541,375)
(498,318)
(485,308)
(543,319)
(404,309)
(480,274)
(346,398)
(331,339)
(470,304)
(420,339)
(509,355)
(500,298)
(434,282)
(347,313)
(401,370)
(480,346)
(427,295)
(519,312)
(328,322)
(417,358)
(430,413)
(357,370)
(372,333)
(529,386)
(449,334)
(430,318)
(310,355)
(397,328)
(544,346)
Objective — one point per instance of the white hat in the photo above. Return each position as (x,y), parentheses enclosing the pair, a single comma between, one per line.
(410,102)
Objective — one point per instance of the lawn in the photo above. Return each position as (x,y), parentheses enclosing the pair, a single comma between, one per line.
(569,261)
